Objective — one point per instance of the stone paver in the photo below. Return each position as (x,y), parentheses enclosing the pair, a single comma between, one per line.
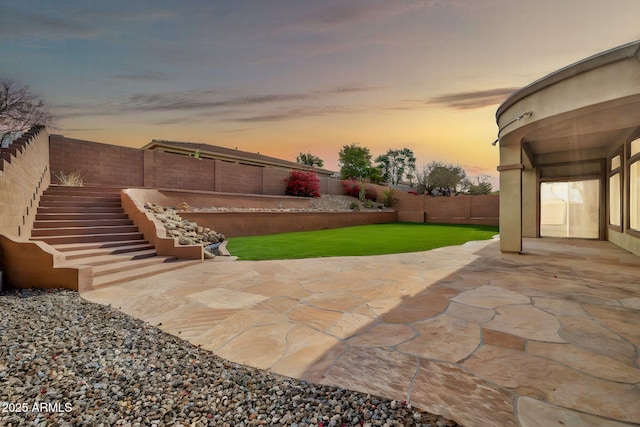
(550,337)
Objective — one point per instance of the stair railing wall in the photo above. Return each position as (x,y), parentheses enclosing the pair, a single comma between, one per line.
(24,175)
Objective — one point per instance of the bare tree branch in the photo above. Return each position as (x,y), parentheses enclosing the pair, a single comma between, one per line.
(20,110)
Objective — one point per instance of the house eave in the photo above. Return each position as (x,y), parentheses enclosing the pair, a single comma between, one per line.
(627,51)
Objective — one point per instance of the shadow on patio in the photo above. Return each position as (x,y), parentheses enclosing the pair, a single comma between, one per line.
(484,338)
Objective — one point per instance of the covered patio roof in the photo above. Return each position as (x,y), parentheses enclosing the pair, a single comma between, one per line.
(580,108)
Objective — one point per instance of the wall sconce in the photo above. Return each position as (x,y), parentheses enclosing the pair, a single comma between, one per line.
(524,115)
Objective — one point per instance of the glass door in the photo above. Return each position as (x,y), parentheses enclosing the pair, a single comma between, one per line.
(570,209)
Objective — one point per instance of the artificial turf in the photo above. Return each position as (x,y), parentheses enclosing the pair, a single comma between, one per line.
(378,239)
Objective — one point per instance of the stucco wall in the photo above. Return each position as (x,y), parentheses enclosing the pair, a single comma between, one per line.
(529,203)
(569,122)
(625,241)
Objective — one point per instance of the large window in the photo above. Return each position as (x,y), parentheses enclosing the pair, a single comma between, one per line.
(570,209)
(634,185)
(615,191)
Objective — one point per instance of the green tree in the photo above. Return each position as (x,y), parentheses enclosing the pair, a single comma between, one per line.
(441,176)
(309,160)
(19,110)
(482,187)
(355,162)
(396,165)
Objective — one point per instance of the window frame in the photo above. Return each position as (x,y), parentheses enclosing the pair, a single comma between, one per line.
(630,160)
(611,172)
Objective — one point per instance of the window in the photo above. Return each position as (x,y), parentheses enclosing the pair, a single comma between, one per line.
(570,209)
(615,191)
(634,185)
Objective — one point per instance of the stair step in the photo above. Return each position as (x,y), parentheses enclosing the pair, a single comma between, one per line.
(101,258)
(77,209)
(80,203)
(89,226)
(87,238)
(151,270)
(54,188)
(75,216)
(78,194)
(76,231)
(126,265)
(80,197)
(139,251)
(66,223)
(114,247)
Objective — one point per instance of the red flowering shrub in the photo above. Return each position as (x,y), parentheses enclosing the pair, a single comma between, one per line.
(412,192)
(352,188)
(303,184)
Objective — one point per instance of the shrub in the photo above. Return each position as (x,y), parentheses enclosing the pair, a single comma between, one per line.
(353,188)
(354,206)
(303,184)
(387,197)
(73,179)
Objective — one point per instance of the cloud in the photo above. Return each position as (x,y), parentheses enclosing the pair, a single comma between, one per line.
(189,101)
(19,23)
(331,17)
(81,21)
(148,76)
(219,105)
(295,113)
(474,99)
(340,90)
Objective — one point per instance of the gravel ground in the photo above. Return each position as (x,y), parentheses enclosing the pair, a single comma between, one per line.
(68,362)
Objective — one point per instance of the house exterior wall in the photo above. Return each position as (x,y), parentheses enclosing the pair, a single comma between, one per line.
(511,198)
(564,127)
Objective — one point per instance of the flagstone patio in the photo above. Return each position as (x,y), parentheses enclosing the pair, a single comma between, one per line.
(550,337)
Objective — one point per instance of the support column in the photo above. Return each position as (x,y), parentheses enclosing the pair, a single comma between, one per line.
(510,197)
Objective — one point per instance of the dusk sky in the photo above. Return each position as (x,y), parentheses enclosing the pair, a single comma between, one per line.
(280,77)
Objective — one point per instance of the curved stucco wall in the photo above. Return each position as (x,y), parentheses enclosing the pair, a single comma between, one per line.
(581,113)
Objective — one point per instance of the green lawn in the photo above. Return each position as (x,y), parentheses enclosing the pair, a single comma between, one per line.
(376,239)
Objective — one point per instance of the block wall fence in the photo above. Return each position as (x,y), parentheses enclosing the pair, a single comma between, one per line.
(105,164)
(24,175)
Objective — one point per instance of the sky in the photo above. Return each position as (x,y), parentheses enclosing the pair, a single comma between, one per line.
(281,77)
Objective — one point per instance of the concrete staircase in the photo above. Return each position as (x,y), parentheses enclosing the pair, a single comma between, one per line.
(89,225)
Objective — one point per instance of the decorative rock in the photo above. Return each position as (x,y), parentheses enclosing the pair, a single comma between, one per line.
(183,207)
(187,232)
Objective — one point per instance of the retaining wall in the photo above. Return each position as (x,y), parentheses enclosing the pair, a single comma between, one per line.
(233,224)
(24,175)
